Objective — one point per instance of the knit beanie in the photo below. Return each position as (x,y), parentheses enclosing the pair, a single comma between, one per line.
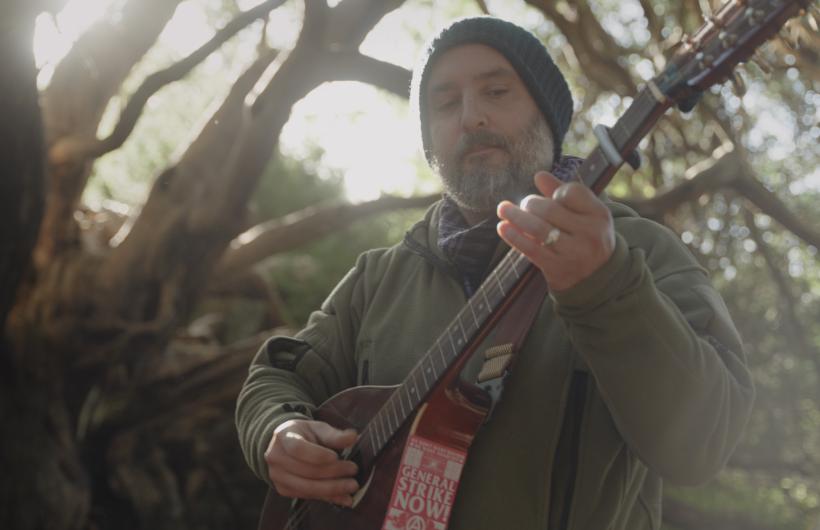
(524,52)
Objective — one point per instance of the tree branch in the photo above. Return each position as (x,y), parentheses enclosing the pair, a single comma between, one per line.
(73,103)
(198,205)
(770,204)
(73,149)
(357,67)
(596,50)
(354,19)
(717,174)
(303,227)
(731,170)
(795,334)
(482,5)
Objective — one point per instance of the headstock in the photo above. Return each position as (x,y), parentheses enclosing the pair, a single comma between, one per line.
(727,38)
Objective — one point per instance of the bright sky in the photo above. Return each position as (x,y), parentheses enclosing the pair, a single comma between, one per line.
(370,137)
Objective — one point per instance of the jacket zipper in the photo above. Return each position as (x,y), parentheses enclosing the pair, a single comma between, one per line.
(365,374)
(577,396)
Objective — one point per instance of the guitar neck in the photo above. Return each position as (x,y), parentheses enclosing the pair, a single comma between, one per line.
(453,342)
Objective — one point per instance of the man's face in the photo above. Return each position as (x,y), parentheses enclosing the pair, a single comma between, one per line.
(488,137)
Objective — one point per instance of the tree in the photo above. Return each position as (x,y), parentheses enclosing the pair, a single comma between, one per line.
(106,386)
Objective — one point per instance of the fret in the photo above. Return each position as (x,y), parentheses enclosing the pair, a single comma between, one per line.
(369,437)
(452,344)
(378,440)
(441,354)
(415,391)
(459,340)
(426,383)
(475,319)
(463,333)
(385,428)
(395,413)
(386,418)
(381,425)
(431,368)
(407,397)
(389,428)
(484,294)
(417,386)
(403,412)
(498,281)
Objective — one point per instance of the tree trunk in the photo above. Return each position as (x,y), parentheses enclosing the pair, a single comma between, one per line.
(45,485)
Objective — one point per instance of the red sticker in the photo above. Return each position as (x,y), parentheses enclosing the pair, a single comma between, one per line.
(425,486)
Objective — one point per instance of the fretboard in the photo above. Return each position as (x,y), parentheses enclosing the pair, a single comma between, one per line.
(444,351)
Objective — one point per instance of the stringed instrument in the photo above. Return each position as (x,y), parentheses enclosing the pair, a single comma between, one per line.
(434,405)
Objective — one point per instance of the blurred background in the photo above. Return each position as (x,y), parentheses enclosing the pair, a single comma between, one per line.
(181,179)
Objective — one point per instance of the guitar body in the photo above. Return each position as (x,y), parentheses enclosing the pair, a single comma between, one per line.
(451,417)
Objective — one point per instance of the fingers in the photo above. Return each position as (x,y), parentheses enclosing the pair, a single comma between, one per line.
(334,438)
(585,233)
(338,491)
(546,183)
(534,250)
(574,196)
(296,458)
(538,215)
(301,464)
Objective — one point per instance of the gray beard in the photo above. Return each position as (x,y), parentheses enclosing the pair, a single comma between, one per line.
(481,187)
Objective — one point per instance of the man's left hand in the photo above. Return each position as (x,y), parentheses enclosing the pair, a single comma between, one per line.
(586,239)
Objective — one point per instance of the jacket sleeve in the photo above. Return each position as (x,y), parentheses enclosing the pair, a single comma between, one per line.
(663,351)
(289,377)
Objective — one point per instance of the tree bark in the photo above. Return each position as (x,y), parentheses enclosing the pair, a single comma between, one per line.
(22,186)
(44,484)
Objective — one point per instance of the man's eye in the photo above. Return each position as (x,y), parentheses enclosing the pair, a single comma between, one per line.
(446,104)
(497,92)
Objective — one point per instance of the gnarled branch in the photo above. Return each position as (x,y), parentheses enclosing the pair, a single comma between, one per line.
(78,149)
(303,227)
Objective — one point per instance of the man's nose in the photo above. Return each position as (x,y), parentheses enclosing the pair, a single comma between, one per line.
(473,114)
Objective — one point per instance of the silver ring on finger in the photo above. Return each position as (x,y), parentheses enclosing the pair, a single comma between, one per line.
(552,237)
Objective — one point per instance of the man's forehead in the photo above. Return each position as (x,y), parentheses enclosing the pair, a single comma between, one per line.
(468,63)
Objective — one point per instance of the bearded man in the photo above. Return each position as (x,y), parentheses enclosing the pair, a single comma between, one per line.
(632,373)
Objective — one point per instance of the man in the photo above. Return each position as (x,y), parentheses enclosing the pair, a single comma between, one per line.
(632,373)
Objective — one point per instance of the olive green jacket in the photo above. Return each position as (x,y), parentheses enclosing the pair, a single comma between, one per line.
(634,376)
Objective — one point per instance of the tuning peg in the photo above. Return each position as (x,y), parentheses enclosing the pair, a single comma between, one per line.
(738,84)
(814,12)
(765,66)
(790,35)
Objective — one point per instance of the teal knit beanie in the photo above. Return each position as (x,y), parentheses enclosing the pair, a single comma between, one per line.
(524,52)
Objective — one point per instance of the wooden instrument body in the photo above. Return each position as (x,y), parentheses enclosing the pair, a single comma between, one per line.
(451,416)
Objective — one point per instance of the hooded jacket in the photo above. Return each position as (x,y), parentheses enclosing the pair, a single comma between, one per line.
(634,376)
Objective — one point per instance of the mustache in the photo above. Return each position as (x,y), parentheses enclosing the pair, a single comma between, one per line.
(479,139)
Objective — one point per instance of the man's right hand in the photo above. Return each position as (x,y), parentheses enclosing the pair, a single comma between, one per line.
(303,462)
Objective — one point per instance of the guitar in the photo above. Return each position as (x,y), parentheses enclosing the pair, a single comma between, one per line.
(433,402)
